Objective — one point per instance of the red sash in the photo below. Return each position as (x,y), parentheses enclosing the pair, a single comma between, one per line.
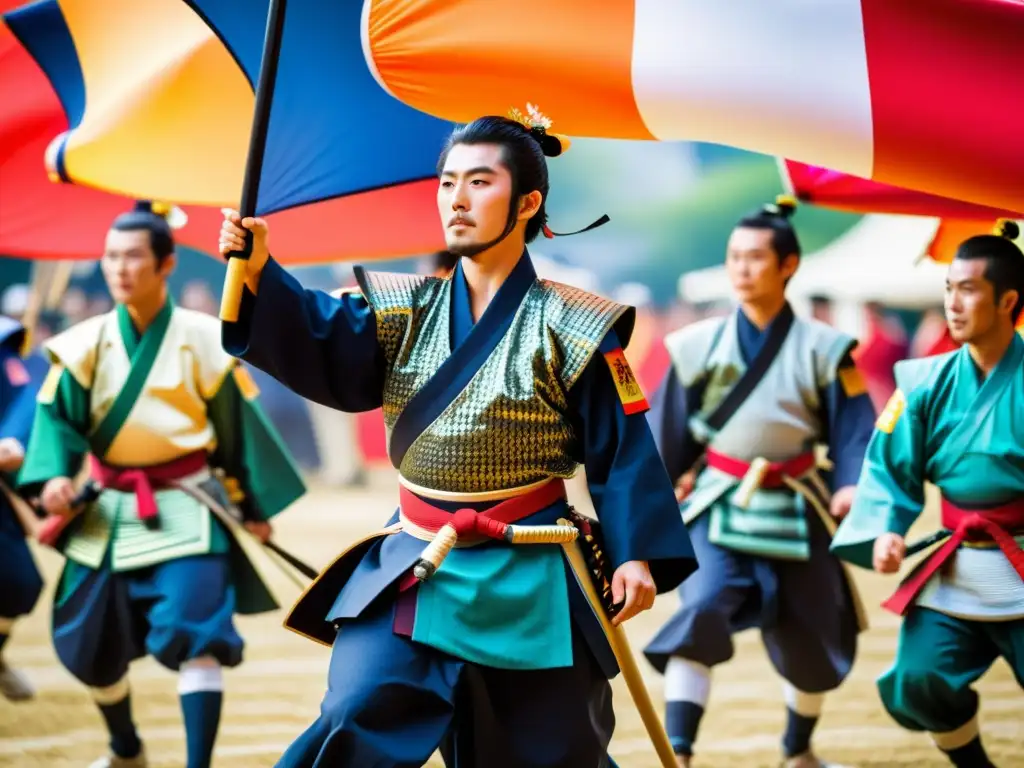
(471,525)
(141,481)
(773,478)
(992,524)
(490,523)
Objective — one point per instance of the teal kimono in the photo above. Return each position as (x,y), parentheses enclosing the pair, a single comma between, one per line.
(948,426)
(164,417)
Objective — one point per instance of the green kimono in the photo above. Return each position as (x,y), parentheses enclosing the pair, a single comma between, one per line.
(947,425)
(146,401)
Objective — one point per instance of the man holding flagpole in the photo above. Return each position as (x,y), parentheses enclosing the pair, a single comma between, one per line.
(468,618)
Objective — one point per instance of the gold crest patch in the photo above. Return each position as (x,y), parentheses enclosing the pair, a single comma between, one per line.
(852,381)
(893,410)
(632,397)
(245,383)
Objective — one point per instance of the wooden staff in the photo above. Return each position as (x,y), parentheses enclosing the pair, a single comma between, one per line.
(623,655)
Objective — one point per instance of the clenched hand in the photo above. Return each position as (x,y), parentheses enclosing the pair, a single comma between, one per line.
(632,581)
(12,454)
(232,238)
(57,496)
(889,552)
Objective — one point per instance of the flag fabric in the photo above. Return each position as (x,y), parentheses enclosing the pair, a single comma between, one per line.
(921,94)
(167,116)
(840,191)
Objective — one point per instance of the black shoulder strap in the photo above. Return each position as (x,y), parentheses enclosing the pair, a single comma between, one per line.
(753,375)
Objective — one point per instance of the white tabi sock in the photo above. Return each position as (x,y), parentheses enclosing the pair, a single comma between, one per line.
(687,687)
(199,675)
(687,680)
(805,704)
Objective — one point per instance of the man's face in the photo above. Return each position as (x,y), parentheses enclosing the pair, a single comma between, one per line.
(473,197)
(971,307)
(754,268)
(130,267)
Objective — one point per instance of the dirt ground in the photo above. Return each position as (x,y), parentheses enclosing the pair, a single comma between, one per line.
(275,694)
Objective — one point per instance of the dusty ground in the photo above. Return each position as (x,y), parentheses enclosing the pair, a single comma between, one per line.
(276,692)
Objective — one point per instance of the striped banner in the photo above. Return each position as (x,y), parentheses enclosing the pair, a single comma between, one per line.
(926,95)
(922,94)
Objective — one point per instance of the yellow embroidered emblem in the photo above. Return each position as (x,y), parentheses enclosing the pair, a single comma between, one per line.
(632,397)
(852,381)
(245,383)
(48,390)
(893,410)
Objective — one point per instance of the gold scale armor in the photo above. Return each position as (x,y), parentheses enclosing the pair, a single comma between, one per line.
(509,427)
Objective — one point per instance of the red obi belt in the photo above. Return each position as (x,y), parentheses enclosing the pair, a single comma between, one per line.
(773,477)
(142,481)
(997,524)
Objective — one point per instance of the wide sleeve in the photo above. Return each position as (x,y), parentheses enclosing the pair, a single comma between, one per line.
(57,445)
(850,420)
(890,492)
(321,347)
(631,491)
(669,418)
(260,475)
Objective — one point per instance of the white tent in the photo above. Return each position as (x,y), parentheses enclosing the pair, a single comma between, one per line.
(878,259)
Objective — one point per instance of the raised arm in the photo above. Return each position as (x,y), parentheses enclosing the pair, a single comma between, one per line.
(321,347)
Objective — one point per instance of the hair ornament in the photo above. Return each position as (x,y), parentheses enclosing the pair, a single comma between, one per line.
(783,206)
(539,124)
(1007,228)
(172,214)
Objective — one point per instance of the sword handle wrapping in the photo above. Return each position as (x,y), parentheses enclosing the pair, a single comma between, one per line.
(751,482)
(435,553)
(597,563)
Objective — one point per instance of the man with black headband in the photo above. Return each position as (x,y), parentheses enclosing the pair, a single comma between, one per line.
(461,620)
(180,454)
(955,420)
(745,406)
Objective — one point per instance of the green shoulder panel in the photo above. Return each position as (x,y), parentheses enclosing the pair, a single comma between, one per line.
(395,299)
(580,321)
(920,373)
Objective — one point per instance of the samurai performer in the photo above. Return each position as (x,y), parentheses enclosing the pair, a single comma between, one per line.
(20,581)
(738,419)
(495,387)
(182,455)
(954,421)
